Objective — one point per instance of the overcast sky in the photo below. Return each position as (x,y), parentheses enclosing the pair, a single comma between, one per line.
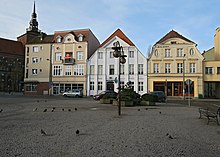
(143,21)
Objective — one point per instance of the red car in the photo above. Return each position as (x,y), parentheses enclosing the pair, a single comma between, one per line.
(110,94)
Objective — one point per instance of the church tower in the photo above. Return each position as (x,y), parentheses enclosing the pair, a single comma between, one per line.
(33,24)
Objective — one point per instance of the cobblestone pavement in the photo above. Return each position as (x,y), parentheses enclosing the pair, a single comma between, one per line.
(164,130)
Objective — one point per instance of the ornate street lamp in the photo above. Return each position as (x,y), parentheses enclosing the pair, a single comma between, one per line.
(119,53)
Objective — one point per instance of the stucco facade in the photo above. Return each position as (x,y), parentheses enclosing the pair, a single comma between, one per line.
(104,68)
(175,59)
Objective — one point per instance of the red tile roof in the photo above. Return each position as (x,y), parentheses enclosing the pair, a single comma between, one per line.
(119,34)
(173,34)
(11,47)
(84,32)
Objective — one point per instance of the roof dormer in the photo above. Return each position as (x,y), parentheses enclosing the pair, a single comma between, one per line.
(69,38)
(58,39)
(80,37)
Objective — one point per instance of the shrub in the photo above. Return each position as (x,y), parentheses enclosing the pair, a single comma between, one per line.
(200,96)
(149,97)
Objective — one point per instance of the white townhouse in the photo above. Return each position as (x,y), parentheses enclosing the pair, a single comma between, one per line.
(103,67)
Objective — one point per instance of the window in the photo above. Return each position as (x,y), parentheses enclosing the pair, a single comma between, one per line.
(122,69)
(27,62)
(111,54)
(92,69)
(79,55)
(59,39)
(140,69)
(131,84)
(218,70)
(58,56)
(34,60)
(122,84)
(191,51)
(179,67)
(179,52)
(192,67)
(100,55)
(57,70)
(100,69)
(167,67)
(31,87)
(26,74)
(156,53)
(27,51)
(78,70)
(209,70)
(167,52)
(92,85)
(111,70)
(35,49)
(68,70)
(99,85)
(140,86)
(80,37)
(131,54)
(68,59)
(156,68)
(34,71)
(131,69)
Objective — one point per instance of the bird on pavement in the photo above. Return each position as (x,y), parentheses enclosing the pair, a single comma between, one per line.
(138,109)
(69,110)
(77,132)
(45,110)
(35,109)
(1,110)
(43,132)
(75,109)
(160,112)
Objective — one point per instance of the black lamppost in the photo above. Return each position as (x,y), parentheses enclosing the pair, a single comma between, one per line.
(119,53)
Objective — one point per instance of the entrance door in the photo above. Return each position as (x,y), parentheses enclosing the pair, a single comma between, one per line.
(110,85)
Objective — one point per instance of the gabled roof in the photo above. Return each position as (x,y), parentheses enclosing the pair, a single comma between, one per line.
(41,39)
(119,34)
(173,34)
(11,47)
(84,32)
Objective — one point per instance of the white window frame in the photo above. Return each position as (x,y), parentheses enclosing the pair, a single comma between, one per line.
(100,69)
(131,69)
(35,49)
(140,69)
(141,86)
(78,70)
(111,69)
(92,69)
(99,85)
(58,56)
(179,52)
(57,70)
(167,68)
(192,67)
(167,53)
(100,55)
(156,68)
(209,70)
(131,54)
(35,60)
(79,55)
(92,85)
(68,70)
(34,71)
(179,68)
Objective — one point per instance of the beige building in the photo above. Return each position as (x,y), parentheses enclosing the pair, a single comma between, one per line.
(174,60)
(212,69)
(70,52)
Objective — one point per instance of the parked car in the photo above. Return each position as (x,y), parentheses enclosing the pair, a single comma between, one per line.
(160,94)
(109,93)
(73,93)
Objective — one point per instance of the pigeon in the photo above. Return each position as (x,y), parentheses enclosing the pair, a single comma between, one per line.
(138,109)
(1,110)
(75,109)
(146,108)
(52,110)
(167,134)
(35,109)
(63,109)
(69,110)
(77,132)
(43,132)
(160,112)
(170,137)
(45,110)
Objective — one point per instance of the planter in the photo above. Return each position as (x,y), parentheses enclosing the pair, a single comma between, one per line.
(106,101)
(147,103)
(123,103)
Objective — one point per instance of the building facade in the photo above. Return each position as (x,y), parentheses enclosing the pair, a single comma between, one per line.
(70,52)
(211,67)
(104,68)
(175,66)
(11,66)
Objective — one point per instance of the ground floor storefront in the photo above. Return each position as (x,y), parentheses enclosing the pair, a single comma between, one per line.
(212,89)
(59,88)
